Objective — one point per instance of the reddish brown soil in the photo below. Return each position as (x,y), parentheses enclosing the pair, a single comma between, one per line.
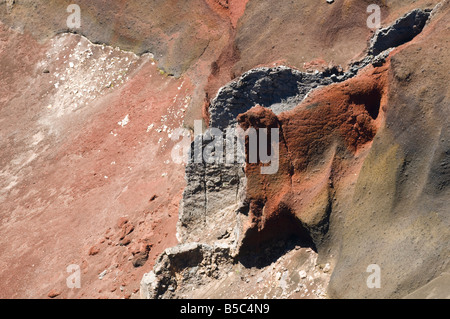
(85,179)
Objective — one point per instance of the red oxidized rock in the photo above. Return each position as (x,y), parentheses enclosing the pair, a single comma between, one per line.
(315,137)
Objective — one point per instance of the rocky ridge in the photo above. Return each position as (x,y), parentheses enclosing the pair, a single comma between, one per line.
(222,205)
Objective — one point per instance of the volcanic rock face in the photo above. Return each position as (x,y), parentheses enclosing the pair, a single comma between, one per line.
(90,190)
(326,147)
(215,188)
(294,205)
(344,119)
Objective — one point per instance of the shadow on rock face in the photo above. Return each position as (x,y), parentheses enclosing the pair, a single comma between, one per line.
(281,234)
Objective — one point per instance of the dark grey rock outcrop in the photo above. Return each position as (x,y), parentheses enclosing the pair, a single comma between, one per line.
(403,30)
(279,88)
